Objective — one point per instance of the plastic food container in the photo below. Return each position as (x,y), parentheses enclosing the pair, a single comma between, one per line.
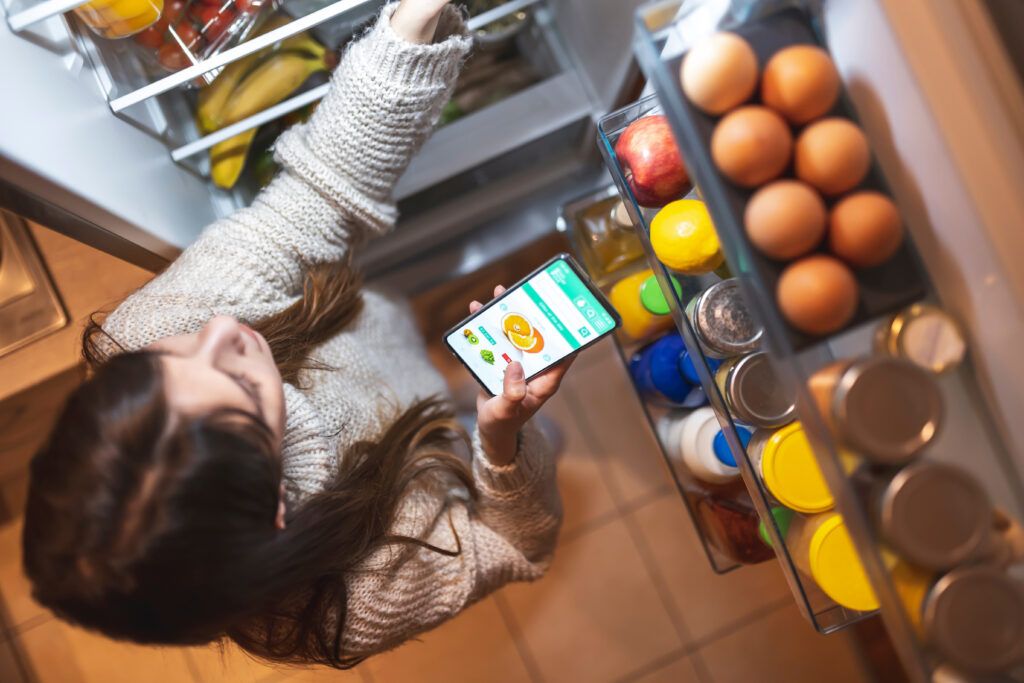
(972,617)
(656,373)
(189,31)
(925,335)
(638,320)
(753,393)
(788,468)
(935,515)
(119,18)
(821,548)
(885,409)
(722,322)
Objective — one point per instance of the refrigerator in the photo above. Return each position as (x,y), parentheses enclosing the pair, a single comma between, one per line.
(93,148)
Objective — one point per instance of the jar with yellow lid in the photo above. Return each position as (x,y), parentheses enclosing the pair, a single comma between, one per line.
(884,409)
(821,548)
(119,18)
(789,470)
(972,617)
(925,335)
(641,305)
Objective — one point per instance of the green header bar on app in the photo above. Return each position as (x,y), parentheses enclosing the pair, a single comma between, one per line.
(552,318)
(580,295)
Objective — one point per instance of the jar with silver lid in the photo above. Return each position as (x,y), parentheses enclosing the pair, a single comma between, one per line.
(722,322)
(885,409)
(925,335)
(753,393)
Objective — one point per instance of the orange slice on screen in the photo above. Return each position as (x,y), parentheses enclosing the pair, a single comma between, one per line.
(538,343)
(523,342)
(516,323)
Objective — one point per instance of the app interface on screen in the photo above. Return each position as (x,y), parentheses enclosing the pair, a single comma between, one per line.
(538,324)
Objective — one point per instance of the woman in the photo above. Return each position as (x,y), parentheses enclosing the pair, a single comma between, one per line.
(292,485)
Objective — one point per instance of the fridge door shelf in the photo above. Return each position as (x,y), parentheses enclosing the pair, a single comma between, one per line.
(823,613)
(664,31)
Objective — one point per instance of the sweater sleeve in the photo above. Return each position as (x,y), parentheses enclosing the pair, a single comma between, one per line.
(508,534)
(333,192)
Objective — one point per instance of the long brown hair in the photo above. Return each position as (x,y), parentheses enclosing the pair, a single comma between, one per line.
(159,529)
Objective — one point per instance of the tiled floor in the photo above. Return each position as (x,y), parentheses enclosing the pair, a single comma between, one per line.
(630,596)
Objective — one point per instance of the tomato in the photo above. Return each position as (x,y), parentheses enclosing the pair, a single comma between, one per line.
(172,58)
(215,21)
(188,34)
(173,9)
(151,37)
(246,6)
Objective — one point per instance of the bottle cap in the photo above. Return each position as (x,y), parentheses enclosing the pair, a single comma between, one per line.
(837,569)
(721,445)
(664,368)
(653,299)
(887,409)
(936,515)
(974,618)
(791,473)
(755,394)
(783,518)
(688,370)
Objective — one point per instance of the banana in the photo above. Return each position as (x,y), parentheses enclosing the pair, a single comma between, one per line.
(269,83)
(228,158)
(214,96)
(272,81)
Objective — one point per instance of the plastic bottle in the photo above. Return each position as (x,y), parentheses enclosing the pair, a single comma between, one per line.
(641,304)
(656,373)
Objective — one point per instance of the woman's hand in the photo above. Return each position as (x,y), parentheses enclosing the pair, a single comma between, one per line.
(416,20)
(499,418)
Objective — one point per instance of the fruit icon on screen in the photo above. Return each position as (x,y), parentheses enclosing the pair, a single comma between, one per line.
(488,356)
(521,333)
(470,337)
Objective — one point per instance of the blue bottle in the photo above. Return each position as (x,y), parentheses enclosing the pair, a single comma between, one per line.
(656,373)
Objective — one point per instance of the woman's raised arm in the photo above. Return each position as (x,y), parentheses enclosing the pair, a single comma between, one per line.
(334,189)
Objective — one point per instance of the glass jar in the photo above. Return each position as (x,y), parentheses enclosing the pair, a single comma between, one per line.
(730,525)
(119,18)
(925,335)
(789,470)
(885,409)
(973,617)
(606,238)
(722,322)
(752,391)
(821,548)
(934,515)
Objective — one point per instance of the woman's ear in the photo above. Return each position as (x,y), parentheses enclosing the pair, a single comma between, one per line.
(279,520)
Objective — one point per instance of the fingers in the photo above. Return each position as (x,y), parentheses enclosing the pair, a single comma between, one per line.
(499,290)
(514,384)
(475,306)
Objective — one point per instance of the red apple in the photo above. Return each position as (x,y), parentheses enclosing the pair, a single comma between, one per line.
(648,155)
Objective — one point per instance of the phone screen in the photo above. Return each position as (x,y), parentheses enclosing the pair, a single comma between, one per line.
(538,323)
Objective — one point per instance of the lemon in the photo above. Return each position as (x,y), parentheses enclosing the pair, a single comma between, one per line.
(684,238)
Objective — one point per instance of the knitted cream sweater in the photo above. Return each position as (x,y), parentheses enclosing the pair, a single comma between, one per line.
(334,192)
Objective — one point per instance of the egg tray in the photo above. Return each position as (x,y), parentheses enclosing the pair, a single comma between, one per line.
(882,289)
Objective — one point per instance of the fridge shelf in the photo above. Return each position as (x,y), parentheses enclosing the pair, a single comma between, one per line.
(689,489)
(968,437)
(822,612)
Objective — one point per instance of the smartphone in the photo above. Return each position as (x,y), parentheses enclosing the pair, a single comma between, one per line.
(549,315)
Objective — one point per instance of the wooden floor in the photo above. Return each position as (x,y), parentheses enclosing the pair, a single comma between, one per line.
(630,596)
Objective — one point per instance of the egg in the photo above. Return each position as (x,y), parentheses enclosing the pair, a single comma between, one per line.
(751,145)
(785,219)
(832,155)
(817,294)
(719,72)
(800,82)
(864,229)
